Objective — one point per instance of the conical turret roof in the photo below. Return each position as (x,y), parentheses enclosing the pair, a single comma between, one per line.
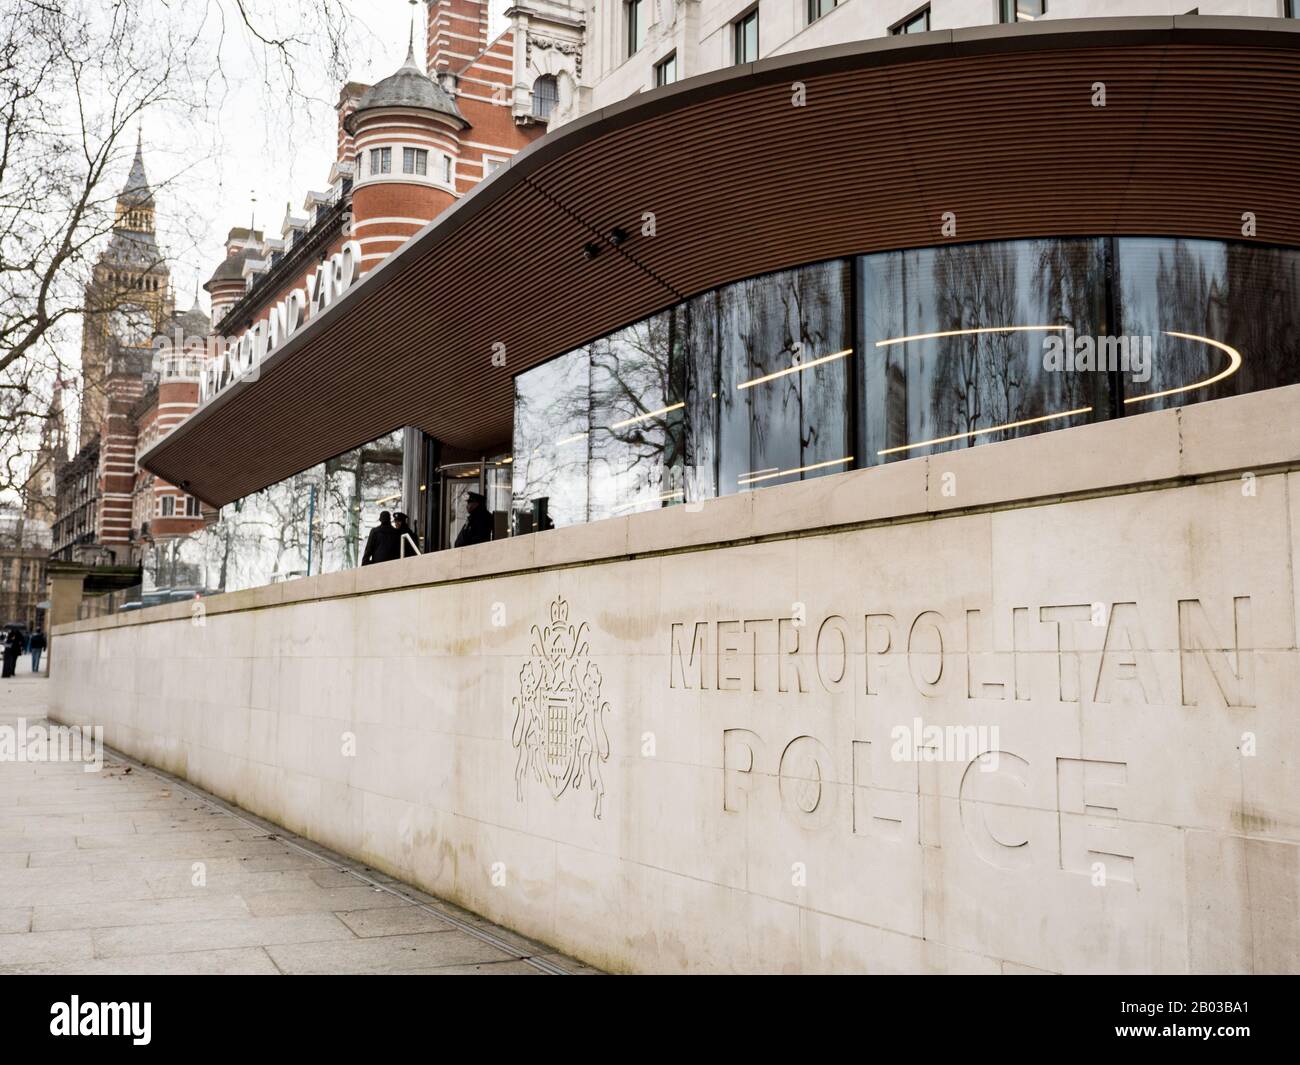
(408,87)
(136,192)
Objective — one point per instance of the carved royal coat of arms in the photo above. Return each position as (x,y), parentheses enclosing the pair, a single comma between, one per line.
(559,725)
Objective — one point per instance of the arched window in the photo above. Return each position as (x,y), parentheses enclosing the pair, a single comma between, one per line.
(546,94)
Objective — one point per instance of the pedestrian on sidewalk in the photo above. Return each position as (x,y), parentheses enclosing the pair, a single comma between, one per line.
(36,646)
(13,645)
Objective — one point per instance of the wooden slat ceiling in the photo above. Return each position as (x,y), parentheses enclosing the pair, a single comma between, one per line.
(997,125)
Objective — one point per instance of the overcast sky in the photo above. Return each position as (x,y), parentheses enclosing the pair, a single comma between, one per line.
(262,148)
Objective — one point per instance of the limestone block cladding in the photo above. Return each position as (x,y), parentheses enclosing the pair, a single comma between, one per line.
(1027,707)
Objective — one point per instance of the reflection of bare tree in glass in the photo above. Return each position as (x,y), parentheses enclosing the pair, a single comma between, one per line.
(550,439)
(1070,286)
(291,508)
(700,390)
(349,482)
(767,325)
(1184,283)
(1244,296)
(264,536)
(976,379)
(634,441)
(980,380)
(1261,309)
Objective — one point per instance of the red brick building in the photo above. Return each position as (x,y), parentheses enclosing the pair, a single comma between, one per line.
(407,148)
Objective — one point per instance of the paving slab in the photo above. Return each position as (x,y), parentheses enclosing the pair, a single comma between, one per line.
(212,935)
(132,912)
(361,898)
(398,921)
(388,953)
(130,871)
(243,961)
(17,948)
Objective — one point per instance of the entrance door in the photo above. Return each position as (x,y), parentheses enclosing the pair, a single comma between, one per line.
(491,479)
(458,480)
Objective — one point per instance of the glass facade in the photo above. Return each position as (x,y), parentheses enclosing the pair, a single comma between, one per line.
(781,345)
(800,373)
(1243,296)
(598,431)
(939,370)
(316,522)
(852,363)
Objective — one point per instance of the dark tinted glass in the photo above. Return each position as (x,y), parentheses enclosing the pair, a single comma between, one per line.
(784,356)
(1246,298)
(996,308)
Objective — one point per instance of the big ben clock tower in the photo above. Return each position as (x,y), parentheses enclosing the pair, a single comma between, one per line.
(129,296)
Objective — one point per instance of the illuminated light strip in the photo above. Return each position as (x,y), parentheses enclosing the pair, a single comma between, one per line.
(979,432)
(798,367)
(656,499)
(755,473)
(974,332)
(650,414)
(570,440)
(1234,364)
(798,469)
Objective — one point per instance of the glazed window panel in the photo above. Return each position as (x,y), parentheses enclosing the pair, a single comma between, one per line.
(666,71)
(956,344)
(785,358)
(637,420)
(745,37)
(552,443)
(314,522)
(350,491)
(702,405)
(1217,319)
(415,161)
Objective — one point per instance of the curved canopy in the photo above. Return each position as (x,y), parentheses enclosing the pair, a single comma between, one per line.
(736,173)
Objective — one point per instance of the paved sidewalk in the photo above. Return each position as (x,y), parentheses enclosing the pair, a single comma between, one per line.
(98,870)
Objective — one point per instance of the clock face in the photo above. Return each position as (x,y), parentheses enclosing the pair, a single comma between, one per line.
(132,325)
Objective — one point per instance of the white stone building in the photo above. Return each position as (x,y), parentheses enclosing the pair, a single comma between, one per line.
(631,46)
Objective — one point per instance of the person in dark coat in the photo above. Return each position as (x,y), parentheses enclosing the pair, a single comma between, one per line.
(404,529)
(12,648)
(478,525)
(383,544)
(36,645)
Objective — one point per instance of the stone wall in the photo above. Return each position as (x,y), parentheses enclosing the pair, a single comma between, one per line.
(1030,706)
